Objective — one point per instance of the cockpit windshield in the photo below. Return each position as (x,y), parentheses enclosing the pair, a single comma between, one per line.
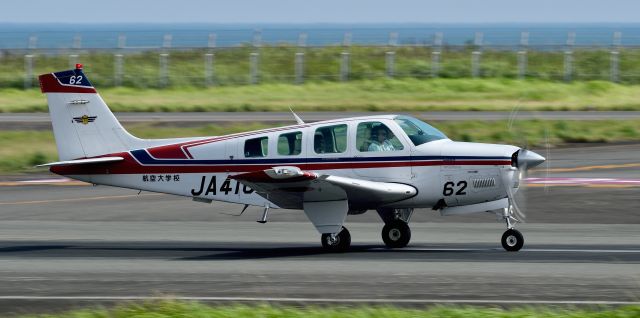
(418,131)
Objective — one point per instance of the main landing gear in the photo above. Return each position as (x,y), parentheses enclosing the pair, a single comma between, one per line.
(339,242)
(396,232)
(512,240)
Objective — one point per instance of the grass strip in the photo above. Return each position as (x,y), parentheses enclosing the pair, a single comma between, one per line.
(362,95)
(169,309)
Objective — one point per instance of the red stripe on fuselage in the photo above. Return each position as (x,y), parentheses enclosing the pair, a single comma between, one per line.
(130,166)
(167,152)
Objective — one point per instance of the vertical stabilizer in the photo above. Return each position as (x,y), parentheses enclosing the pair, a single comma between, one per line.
(83,125)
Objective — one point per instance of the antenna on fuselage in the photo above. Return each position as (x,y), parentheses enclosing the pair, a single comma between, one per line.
(298,119)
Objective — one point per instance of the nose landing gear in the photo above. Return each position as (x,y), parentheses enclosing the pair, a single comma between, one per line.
(512,240)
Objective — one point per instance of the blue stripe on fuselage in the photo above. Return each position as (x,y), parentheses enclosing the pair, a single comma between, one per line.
(144,158)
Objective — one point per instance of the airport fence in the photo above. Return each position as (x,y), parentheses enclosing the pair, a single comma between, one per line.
(254,63)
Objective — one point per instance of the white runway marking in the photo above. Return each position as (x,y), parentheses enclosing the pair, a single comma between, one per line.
(579,250)
(322,300)
(550,250)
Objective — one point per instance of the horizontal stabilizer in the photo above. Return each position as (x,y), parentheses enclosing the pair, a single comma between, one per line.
(82,161)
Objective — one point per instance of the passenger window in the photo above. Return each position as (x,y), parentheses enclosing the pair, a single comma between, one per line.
(331,139)
(376,136)
(290,144)
(257,147)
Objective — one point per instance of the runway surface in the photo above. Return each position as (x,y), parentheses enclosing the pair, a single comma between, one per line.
(43,121)
(69,245)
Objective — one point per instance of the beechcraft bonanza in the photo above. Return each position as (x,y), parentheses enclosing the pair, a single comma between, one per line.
(388,163)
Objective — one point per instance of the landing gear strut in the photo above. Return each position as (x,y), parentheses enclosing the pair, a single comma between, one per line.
(336,242)
(512,240)
(396,234)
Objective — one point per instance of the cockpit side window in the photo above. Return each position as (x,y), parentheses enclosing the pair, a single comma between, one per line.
(376,136)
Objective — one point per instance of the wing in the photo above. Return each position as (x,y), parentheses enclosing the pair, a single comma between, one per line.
(290,187)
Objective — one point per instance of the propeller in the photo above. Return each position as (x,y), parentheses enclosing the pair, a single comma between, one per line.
(523,160)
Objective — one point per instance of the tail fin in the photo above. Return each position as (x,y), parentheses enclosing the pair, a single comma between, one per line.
(83,125)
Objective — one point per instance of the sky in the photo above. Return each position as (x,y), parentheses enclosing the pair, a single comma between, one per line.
(321,11)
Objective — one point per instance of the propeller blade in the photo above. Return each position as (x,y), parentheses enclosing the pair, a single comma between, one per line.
(548,161)
(519,213)
(520,198)
(508,184)
(512,115)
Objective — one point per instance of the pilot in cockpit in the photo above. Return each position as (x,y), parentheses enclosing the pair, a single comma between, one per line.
(380,136)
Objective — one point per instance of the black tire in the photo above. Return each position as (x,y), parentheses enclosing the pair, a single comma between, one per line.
(341,244)
(396,234)
(512,240)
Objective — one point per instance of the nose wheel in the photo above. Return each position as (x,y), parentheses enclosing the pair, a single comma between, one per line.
(396,234)
(336,242)
(512,240)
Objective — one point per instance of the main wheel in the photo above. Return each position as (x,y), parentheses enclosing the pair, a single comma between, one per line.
(339,243)
(396,234)
(512,240)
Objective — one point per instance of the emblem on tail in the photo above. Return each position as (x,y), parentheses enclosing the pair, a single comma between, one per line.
(84,119)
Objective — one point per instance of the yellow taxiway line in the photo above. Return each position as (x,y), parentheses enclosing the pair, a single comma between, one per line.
(81,199)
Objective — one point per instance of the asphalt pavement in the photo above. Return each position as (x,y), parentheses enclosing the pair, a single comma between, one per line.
(65,245)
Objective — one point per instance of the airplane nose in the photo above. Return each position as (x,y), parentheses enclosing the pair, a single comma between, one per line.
(528,159)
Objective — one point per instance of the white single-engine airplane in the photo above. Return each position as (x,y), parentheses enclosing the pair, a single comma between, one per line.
(388,163)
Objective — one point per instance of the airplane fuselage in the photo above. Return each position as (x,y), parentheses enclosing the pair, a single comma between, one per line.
(458,173)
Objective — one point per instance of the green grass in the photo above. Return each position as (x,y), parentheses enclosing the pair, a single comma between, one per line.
(168,309)
(276,65)
(364,95)
(21,150)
